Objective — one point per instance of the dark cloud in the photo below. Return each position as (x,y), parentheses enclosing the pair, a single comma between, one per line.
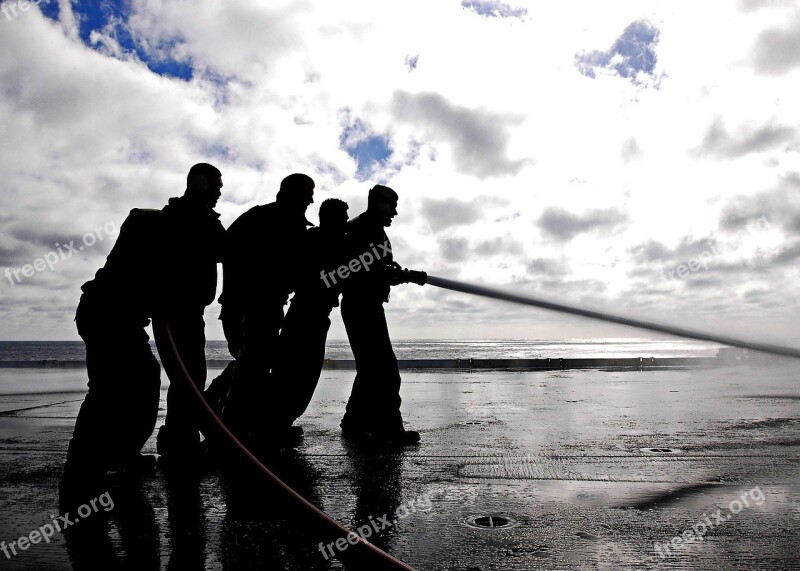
(736,220)
(564,225)
(632,56)
(788,254)
(454,249)
(777,50)
(493,9)
(695,281)
(460,249)
(719,143)
(571,289)
(479,138)
(650,251)
(11,256)
(753,5)
(744,268)
(654,251)
(498,246)
(761,298)
(43,238)
(326,174)
(630,150)
(778,206)
(548,267)
(793,225)
(508,217)
(646,290)
(24,241)
(449,212)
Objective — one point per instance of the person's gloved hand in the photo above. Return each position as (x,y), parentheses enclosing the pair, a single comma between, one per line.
(416,277)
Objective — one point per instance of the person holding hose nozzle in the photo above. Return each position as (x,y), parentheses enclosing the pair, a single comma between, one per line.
(373,414)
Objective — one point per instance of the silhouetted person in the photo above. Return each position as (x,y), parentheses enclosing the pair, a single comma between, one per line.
(262,252)
(305,328)
(120,410)
(373,410)
(196,243)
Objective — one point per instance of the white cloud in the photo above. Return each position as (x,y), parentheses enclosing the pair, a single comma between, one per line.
(487,124)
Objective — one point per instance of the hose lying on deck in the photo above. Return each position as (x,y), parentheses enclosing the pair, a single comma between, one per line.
(378,559)
(369,555)
(641,324)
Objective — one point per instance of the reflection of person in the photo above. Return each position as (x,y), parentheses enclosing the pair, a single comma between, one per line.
(260,260)
(196,238)
(373,410)
(122,534)
(305,329)
(119,412)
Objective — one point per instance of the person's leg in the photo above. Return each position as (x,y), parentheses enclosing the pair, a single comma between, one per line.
(218,393)
(374,402)
(245,407)
(119,412)
(300,357)
(233,327)
(138,400)
(180,434)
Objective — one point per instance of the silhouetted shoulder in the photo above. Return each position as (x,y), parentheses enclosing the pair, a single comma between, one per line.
(136,265)
(143,229)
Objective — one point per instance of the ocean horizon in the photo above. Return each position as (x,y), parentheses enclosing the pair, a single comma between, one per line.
(612,347)
(15,380)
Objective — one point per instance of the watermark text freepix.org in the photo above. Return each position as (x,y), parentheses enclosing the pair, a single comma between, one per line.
(709,522)
(60,523)
(365,260)
(62,252)
(375,526)
(707,256)
(9,8)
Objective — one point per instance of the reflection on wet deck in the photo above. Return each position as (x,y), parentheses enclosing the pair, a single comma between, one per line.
(594,468)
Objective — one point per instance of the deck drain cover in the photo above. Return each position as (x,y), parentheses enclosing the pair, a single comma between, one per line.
(490,521)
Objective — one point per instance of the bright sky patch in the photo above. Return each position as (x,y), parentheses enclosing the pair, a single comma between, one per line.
(369,150)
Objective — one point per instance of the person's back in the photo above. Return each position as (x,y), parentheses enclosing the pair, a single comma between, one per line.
(261,247)
(128,281)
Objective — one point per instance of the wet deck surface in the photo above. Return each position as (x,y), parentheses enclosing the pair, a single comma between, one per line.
(591,468)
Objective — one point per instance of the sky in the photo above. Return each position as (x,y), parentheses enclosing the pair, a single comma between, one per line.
(636,156)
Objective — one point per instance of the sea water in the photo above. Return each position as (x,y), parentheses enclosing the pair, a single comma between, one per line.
(45,380)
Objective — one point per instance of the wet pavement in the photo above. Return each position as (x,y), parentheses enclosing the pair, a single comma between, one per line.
(673,469)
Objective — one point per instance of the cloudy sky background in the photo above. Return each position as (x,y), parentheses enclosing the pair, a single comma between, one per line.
(577,151)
